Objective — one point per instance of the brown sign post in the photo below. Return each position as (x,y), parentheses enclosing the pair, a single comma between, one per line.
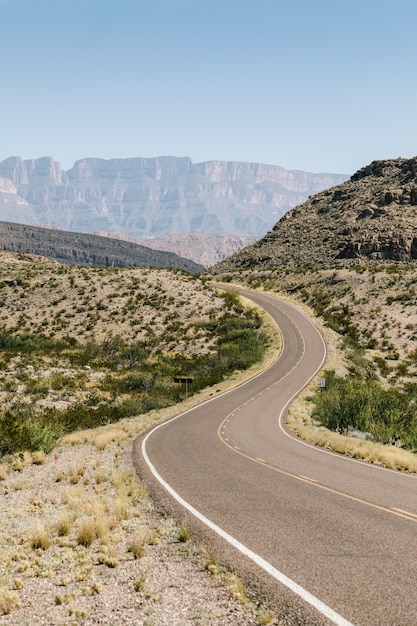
(184,379)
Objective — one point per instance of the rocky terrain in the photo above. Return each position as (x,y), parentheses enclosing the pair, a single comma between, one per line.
(82,249)
(349,252)
(206,250)
(368,219)
(148,198)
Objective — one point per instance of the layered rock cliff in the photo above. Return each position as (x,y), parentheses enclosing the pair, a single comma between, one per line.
(149,198)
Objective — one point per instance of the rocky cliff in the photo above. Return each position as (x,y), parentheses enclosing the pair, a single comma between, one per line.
(148,198)
(370,218)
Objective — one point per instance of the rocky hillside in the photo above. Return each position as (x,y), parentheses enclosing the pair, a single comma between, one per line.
(155,197)
(371,217)
(82,249)
(206,250)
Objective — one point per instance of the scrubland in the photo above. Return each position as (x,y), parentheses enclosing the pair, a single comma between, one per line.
(88,359)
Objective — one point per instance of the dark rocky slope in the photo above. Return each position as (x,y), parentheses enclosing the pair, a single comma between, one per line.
(82,249)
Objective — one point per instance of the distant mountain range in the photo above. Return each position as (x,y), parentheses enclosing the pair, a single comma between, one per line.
(366,220)
(157,197)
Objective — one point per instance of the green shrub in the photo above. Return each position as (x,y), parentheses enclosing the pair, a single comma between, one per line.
(349,403)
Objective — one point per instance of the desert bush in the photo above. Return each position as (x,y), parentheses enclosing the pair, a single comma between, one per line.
(139,581)
(184,533)
(387,414)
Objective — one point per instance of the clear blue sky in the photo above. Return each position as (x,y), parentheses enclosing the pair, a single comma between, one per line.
(316,85)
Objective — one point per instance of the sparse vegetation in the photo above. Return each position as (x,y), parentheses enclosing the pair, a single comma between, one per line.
(106,364)
(103,366)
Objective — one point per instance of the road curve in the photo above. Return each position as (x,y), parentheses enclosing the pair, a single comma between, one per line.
(327,538)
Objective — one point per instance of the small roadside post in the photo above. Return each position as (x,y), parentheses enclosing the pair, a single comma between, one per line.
(186,380)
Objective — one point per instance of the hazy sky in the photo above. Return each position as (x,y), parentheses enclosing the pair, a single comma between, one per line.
(316,85)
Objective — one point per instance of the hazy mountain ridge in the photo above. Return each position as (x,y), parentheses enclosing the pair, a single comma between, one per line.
(206,250)
(154,197)
(370,218)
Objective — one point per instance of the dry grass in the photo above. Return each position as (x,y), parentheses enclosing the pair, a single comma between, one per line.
(4,470)
(9,600)
(65,524)
(184,533)
(38,457)
(112,435)
(76,472)
(39,537)
(137,545)
(87,532)
(139,580)
(89,540)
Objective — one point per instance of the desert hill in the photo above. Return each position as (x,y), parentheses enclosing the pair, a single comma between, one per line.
(370,218)
(83,249)
(154,197)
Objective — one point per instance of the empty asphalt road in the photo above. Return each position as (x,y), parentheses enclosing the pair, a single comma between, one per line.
(327,538)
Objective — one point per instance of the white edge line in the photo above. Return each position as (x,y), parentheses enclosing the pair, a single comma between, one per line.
(258,560)
(320,606)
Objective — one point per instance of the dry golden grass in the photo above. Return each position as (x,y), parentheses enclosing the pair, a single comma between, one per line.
(39,537)
(87,532)
(113,435)
(85,529)
(184,533)
(139,581)
(38,457)
(76,472)
(65,524)
(137,545)
(232,583)
(109,557)
(17,463)
(4,470)
(121,507)
(9,600)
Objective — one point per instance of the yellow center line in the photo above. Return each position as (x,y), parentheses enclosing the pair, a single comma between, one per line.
(411,517)
(392,511)
(311,480)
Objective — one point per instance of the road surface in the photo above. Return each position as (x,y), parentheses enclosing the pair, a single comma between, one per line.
(327,539)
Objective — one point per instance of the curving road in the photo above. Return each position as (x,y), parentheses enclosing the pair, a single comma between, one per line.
(324,538)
